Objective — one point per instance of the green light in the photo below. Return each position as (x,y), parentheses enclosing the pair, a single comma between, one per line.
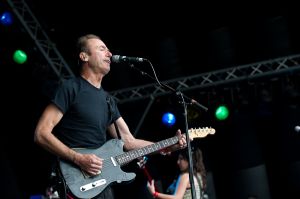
(222,112)
(20,56)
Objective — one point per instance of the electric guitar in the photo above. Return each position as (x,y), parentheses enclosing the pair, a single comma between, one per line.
(85,186)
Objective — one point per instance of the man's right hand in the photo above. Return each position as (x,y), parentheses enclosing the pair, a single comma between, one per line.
(89,163)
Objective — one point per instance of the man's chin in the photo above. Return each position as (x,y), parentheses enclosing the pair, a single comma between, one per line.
(106,71)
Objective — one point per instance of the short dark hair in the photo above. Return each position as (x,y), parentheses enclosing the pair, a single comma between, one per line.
(82,41)
(81,45)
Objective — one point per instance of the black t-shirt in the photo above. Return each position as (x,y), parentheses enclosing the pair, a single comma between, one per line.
(86,114)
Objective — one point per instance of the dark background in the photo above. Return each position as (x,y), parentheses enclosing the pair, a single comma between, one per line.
(255,151)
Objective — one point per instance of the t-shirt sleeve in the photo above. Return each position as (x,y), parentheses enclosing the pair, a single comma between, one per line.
(64,96)
(114,108)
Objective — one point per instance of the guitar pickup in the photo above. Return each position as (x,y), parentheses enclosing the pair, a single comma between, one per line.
(92,185)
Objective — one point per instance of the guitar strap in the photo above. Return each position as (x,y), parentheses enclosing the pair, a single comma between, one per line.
(109,102)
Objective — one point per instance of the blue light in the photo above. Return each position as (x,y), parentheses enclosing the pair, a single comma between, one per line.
(169,119)
(6,18)
(37,197)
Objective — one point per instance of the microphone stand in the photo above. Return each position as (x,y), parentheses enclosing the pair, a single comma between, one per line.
(191,102)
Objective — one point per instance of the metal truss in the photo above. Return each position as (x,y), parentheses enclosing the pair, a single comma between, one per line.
(264,69)
(42,41)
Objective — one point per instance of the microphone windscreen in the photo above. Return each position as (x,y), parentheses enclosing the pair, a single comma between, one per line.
(115,58)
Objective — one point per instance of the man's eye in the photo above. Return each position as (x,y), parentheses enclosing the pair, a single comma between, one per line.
(102,48)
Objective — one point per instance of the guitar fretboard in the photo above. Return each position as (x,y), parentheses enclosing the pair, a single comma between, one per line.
(134,154)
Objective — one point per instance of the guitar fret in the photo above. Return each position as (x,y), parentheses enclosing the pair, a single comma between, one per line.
(150,149)
(136,154)
(141,152)
(133,154)
(158,145)
(147,150)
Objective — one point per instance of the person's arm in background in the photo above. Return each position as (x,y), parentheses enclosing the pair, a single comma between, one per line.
(183,183)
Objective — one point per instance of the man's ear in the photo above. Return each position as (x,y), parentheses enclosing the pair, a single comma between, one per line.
(83,56)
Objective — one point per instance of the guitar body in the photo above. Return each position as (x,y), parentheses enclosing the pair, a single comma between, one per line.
(83,186)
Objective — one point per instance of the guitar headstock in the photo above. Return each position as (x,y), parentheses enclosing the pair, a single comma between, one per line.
(201,132)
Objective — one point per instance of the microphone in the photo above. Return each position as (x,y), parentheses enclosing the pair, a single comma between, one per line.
(297,129)
(121,59)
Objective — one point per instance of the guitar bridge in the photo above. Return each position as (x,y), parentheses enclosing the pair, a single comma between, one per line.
(92,185)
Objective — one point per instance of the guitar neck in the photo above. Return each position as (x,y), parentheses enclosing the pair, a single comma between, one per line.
(137,153)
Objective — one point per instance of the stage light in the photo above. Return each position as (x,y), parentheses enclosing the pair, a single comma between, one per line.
(19,56)
(6,19)
(222,112)
(169,119)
